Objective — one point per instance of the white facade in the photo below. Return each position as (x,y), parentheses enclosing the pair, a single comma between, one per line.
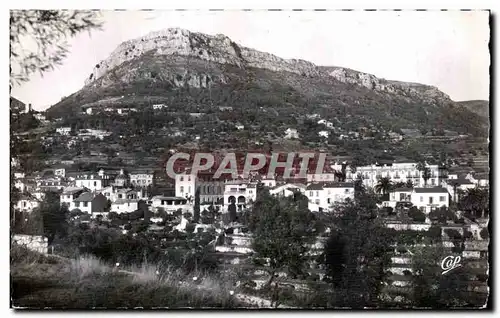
(124,206)
(60,172)
(170,204)
(185,185)
(288,189)
(397,172)
(141,179)
(322,195)
(291,134)
(63,130)
(69,194)
(428,199)
(92,182)
(159,106)
(241,193)
(324,133)
(320,177)
(270,183)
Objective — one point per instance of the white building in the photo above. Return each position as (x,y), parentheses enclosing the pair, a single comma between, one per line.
(291,134)
(324,133)
(60,172)
(325,122)
(141,178)
(69,194)
(92,182)
(398,172)
(185,185)
(170,204)
(428,199)
(63,130)
(159,106)
(322,195)
(288,189)
(240,192)
(89,203)
(125,206)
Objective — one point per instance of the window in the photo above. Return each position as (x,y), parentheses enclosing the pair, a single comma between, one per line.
(328,200)
(77,204)
(317,193)
(85,204)
(442,198)
(189,178)
(182,189)
(189,189)
(95,183)
(346,190)
(182,179)
(430,200)
(432,182)
(68,196)
(317,201)
(251,191)
(421,199)
(24,203)
(310,193)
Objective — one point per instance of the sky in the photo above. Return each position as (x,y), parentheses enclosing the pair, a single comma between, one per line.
(446,49)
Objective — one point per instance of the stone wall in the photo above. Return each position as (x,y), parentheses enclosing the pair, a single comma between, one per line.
(35,243)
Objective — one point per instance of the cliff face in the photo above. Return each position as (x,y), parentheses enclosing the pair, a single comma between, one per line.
(220,49)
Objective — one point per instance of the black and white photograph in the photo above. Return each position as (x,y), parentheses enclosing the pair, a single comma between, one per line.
(250,159)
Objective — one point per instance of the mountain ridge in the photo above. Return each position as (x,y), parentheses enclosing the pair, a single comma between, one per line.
(221,49)
(194,70)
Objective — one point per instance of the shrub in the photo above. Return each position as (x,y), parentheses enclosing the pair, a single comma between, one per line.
(406,272)
(485,234)
(416,215)
(190,227)
(434,232)
(467,234)
(453,234)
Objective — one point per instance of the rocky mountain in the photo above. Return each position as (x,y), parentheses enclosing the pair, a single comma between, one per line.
(178,65)
(480,107)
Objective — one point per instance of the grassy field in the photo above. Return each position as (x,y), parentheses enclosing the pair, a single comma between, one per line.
(39,281)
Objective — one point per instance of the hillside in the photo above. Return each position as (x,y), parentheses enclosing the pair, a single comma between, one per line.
(196,71)
(480,107)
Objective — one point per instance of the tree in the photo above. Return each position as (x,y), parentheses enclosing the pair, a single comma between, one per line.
(484,233)
(196,211)
(409,184)
(356,254)
(426,173)
(433,289)
(54,216)
(416,214)
(282,229)
(476,201)
(383,186)
(47,30)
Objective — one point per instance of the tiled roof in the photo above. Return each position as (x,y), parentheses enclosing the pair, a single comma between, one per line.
(402,190)
(430,190)
(85,197)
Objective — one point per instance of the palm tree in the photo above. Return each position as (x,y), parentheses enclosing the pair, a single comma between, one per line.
(476,200)
(383,186)
(426,173)
(340,175)
(409,184)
